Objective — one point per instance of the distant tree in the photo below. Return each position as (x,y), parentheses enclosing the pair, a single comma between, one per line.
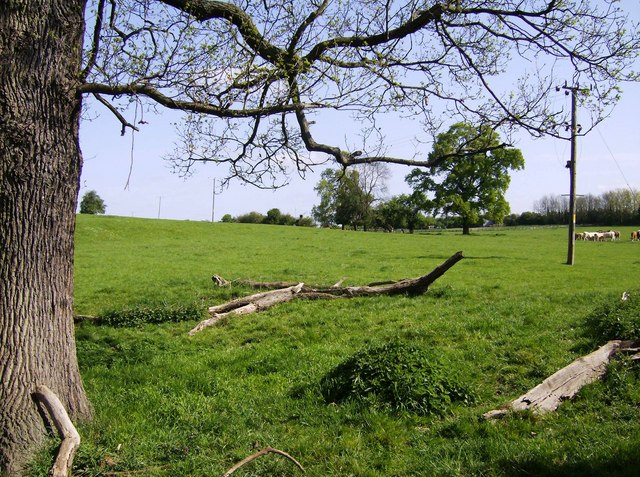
(470,175)
(401,212)
(92,203)
(305,222)
(554,209)
(251,218)
(228,218)
(347,197)
(274,217)
(325,212)
(615,207)
(353,203)
(287,219)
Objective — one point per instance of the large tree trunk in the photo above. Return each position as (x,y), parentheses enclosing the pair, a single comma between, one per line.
(40,162)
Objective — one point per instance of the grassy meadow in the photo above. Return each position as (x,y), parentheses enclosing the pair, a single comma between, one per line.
(508,315)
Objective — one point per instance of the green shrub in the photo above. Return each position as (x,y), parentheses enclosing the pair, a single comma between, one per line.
(395,376)
(139,315)
(615,319)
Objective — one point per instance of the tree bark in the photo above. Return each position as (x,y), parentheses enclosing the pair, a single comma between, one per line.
(40,163)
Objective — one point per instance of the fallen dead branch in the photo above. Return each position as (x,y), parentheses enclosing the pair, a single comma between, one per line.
(565,383)
(66,430)
(260,453)
(264,300)
(408,285)
(246,305)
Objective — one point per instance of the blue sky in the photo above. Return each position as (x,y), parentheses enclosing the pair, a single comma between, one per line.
(608,158)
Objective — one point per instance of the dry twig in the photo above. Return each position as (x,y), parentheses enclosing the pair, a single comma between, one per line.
(260,453)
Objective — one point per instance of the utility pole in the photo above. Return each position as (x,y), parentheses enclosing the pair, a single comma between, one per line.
(159,205)
(213,201)
(571,165)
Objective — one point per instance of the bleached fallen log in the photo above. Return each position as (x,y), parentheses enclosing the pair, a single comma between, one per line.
(66,430)
(264,300)
(247,305)
(413,286)
(408,285)
(565,383)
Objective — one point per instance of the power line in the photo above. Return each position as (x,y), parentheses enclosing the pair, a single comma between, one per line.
(614,159)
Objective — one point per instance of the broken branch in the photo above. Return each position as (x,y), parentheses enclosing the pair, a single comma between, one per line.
(66,430)
(247,305)
(262,452)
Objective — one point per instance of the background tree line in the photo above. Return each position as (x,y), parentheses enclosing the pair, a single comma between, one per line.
(273,217)
(616,207)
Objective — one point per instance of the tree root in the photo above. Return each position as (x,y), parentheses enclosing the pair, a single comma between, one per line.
(66,430)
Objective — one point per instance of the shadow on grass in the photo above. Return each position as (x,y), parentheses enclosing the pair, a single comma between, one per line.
(624,463)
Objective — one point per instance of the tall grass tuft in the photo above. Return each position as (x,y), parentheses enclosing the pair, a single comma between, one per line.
(397,376)
(145,314)
(616,318)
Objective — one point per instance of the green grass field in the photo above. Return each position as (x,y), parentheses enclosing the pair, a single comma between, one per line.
(501,320)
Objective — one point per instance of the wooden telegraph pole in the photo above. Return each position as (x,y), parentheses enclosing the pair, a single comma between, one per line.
(571,165)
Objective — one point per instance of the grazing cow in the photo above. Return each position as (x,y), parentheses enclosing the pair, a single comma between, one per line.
(610,235)
(635,235)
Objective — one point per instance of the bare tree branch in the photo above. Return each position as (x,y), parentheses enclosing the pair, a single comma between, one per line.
(116,113)
(257,78)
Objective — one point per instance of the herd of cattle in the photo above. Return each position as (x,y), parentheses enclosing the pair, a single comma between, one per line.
(603,235)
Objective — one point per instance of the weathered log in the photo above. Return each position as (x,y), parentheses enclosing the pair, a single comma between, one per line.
(413,286)
(407,285)
(261,301)
(246,305)
(66,430)
(565,383)
(222,282)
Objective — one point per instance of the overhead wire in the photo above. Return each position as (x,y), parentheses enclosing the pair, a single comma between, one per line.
(614,159)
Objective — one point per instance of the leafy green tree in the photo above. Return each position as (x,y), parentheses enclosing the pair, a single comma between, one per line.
(92,203)
(274,217)
(247,78)
(471,175)
(251,218)
(325,212)
(353,204)
(228,218)
(401,212)
(346,197)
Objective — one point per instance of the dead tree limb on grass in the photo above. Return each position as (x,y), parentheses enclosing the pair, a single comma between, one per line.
(67,431)
(248,304)
(264,300)
(566,383)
